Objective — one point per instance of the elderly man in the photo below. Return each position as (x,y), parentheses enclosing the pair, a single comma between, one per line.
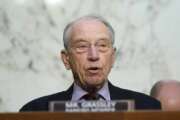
(89,53)
(168,93)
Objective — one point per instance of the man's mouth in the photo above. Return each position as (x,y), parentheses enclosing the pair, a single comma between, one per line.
(93,70)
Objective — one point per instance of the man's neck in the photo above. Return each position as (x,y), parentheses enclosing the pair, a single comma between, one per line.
(91,88)
(79,92)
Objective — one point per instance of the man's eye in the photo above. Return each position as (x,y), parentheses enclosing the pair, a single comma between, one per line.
(103,45)
(82,46)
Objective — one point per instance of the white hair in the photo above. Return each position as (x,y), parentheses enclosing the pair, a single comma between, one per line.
(67,30)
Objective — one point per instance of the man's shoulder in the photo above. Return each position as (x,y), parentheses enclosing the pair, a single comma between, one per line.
(142,101)
(42,103)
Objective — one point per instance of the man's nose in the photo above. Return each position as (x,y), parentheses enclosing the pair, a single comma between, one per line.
(93,54)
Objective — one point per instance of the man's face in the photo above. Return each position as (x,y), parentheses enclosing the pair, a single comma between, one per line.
(90,53)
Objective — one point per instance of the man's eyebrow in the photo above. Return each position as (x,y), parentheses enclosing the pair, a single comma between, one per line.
(80,41)
(104,40)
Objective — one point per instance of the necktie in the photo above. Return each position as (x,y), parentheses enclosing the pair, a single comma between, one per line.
(91,96)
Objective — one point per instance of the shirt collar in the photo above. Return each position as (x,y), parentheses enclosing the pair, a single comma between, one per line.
(78,92)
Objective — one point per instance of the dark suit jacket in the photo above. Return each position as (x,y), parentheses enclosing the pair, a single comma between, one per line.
(142,101)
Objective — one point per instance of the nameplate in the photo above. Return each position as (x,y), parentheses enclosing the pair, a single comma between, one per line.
(91,106)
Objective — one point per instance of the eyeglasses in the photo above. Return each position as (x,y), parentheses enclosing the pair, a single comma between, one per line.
(82,47)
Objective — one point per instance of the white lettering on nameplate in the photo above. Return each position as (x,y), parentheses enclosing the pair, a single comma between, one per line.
(90,106)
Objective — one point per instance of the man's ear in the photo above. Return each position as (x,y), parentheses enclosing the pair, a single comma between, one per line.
(114,56)
(65,59)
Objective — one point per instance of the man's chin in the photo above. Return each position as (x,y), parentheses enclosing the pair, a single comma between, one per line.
(94,82)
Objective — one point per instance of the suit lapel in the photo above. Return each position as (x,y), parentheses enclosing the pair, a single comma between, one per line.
(67,95)
(115,93)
